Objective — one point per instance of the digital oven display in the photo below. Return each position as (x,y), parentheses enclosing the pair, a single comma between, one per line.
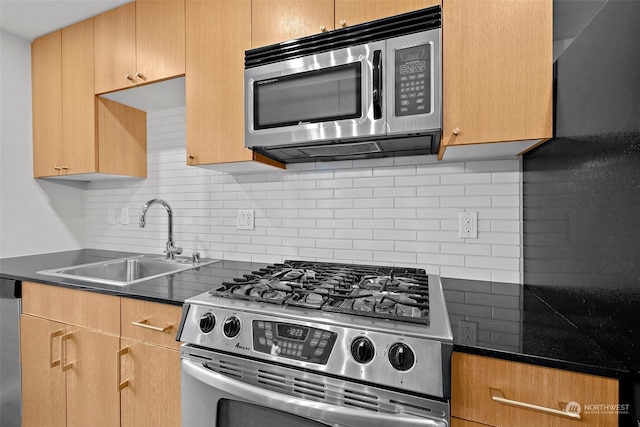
(293,341)
(292,332)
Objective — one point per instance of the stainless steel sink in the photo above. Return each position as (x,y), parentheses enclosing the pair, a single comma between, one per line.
(126,271)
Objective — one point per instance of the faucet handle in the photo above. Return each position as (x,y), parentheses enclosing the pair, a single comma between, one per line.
(172,250)
(195,257)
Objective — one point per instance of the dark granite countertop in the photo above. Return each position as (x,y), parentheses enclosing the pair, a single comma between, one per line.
(513,322)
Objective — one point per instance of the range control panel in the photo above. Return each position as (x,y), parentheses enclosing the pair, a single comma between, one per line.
(293,341)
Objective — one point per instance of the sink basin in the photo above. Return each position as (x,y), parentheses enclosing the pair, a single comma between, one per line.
(126,271)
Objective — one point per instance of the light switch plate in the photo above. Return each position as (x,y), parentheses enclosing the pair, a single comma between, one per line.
(124,216)
(111,216)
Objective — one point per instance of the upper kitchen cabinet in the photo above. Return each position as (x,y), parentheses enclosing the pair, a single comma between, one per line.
(46,82)
(497,77)
(138,43)
(218,33)
(351,12)
(275,21)
(76,136)
(64,140)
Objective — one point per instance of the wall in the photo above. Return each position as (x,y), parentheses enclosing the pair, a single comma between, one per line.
(36,216)
(379,211)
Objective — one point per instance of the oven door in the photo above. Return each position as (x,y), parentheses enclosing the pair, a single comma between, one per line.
(326,96)
(220,390)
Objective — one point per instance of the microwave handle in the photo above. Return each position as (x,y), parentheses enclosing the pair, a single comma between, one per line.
(377,84)
(327,413)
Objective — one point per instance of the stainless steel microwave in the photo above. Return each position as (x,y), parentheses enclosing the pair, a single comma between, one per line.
(371,90)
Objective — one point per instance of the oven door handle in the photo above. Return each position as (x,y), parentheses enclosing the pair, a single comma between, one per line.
(323,412)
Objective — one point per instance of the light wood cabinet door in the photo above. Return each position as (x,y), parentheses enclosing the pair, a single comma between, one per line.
(115,44)
(352,12)
(79,153)
(46,83)
(497,71)
(218,33)
(160,39)
(275,21)
(43,383)
(140,42)
(217,36)
(122,139)
(152,393)
(477,381)
(89,361)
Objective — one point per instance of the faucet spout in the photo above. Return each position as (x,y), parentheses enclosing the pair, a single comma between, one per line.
(171,249)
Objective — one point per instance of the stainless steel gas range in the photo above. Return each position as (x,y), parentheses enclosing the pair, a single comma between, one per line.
(318,344)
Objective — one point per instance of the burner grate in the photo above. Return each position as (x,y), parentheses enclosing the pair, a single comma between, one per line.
(395,293)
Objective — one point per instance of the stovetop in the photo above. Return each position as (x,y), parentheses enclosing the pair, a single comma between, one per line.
(397,300)
(384,324)
(395,293)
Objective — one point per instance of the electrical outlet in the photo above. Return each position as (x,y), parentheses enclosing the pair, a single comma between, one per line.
(468,332)
(468,225)
(124,216)
(244,220)
(111,216)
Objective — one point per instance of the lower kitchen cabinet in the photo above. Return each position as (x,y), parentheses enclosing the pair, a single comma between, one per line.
(91,359)
(500,393)
(66,375)
(44,399)
(87,358)
(149,362)
(68,339)
(150,377)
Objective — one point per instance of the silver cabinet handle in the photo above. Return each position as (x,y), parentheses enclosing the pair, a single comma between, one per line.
(498,396)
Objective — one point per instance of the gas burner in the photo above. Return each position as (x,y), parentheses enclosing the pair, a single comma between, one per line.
(384,292)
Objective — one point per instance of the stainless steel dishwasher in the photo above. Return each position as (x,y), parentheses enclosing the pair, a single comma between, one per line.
(10,381)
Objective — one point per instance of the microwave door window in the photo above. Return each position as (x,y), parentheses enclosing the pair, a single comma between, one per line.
(314,96)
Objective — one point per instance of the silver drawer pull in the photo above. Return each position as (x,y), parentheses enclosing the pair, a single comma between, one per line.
(572,409)
(145,324)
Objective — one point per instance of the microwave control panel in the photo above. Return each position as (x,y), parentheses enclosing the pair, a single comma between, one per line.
(413,80)
(293,341)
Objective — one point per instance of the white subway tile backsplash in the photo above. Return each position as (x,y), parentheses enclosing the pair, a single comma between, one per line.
(401,211)
(373,245)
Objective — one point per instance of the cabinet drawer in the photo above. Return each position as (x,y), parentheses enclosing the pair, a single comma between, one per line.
(504,393)
(89,310)
(151,322)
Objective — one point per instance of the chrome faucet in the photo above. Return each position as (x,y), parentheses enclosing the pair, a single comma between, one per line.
(171,248)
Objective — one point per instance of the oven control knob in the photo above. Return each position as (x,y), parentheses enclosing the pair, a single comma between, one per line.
(401,357)
(362,350)
(231,327)
(207,322)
